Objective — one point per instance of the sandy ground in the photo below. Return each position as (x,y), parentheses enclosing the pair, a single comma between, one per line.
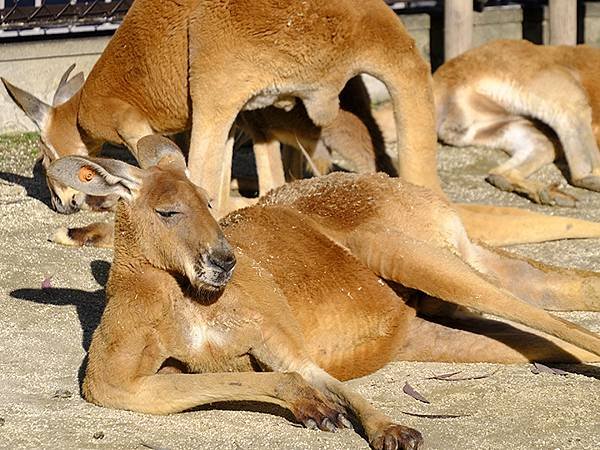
(44,334)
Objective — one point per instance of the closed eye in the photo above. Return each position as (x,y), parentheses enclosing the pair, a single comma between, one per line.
(166,213)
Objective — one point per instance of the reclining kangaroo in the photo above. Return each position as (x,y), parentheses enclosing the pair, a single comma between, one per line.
(175,303)
(519,97)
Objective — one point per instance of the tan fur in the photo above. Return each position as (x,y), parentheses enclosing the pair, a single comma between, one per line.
(140,86)
(354,135)
(307,296)
(224,57)
(498,94)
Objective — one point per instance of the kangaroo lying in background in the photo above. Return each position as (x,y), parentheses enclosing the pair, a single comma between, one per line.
(195,64)
(520,97)
(180,324)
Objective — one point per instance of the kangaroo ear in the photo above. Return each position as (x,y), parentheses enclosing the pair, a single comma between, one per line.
(67,88)
(35,109)
(154,150)
(97,176)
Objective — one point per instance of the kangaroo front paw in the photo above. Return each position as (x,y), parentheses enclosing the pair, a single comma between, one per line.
(315,412)
(397,437)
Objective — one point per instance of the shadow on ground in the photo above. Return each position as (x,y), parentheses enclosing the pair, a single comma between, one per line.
(89,305)
(35,186)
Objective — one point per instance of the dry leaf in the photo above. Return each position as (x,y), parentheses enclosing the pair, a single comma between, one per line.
(538,368)
(443,375)
(409,390)
(435,416)
(62,393)
(449,376)
(152,446)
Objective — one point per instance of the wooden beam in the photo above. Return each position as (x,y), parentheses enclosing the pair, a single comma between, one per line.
(458,27)
(563,22)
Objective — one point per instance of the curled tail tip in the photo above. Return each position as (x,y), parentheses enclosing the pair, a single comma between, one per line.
(62,237)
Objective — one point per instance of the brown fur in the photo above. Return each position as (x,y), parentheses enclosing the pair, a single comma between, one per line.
(354,134)
(224,57)
(496,94)
(306,296)
(140,86)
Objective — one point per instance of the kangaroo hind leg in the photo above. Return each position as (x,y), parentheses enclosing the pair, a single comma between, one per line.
(530,150)
(442,271)
(475,119)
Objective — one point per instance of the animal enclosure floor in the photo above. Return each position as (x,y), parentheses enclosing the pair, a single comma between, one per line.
(44,334)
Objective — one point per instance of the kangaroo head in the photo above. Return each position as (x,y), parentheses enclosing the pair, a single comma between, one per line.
(162,215)
(59,135)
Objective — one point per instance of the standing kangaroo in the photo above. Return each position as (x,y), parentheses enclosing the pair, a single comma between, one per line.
(519,97)
(197,63)
(293,287)
(172,66)
(354,133)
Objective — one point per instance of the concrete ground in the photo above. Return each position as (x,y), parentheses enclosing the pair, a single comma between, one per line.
(44,334)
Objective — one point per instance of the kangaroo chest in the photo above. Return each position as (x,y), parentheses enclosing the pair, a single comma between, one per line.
(210,339)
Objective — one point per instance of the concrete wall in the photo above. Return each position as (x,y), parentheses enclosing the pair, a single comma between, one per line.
(592,24)
(37,66)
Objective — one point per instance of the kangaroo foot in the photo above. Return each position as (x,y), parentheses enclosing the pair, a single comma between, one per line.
(536,192)
(591,182)
(394,436)
(317,413)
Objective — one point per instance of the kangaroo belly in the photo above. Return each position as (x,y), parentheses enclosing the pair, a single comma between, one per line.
(352,322)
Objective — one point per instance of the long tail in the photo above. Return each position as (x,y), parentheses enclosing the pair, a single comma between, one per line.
(501,226)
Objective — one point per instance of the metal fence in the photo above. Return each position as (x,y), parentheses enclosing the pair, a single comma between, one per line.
(22,18)
(31,18)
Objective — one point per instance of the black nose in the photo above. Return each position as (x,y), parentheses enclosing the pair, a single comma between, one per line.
(62,208)
(224,260)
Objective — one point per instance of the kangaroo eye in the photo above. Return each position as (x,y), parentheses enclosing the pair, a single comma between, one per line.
(166,214)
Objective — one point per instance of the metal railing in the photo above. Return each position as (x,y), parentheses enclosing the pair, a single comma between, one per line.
(21,18)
